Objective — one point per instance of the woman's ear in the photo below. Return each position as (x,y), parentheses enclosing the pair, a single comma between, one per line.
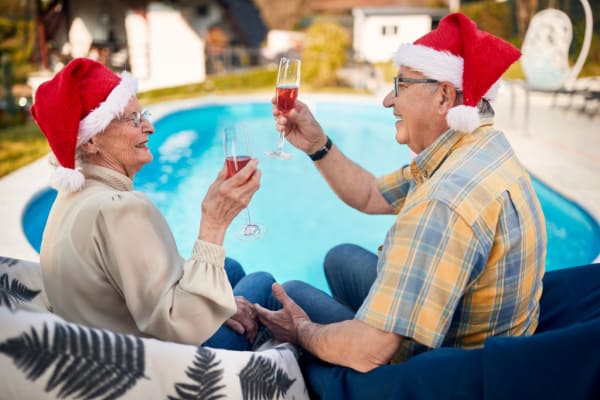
(90,147)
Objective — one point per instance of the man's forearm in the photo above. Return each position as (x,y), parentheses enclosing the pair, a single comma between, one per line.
(350,344)
(353,184)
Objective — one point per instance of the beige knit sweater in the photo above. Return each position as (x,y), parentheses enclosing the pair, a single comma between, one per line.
(109,260)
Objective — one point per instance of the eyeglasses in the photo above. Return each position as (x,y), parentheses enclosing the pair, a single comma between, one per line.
(137,117)
(399,79)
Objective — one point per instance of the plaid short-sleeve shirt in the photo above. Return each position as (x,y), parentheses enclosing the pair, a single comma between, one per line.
(465,257)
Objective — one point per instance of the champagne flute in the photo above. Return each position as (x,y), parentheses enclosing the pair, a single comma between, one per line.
(288,81)
(238,153)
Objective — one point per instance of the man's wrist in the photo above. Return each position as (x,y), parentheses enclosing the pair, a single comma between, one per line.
(301,333)
(322,152)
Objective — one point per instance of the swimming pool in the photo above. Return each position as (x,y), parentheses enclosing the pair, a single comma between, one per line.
(303,217)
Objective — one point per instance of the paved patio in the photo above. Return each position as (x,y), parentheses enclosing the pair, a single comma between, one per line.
(561,148)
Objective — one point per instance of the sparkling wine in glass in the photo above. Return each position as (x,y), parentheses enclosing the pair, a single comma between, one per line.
(288,81)
(238,153)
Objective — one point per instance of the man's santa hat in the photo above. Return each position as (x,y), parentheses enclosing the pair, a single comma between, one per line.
(75,105)
(471,59)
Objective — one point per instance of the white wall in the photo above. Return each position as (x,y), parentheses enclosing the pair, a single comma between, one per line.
(370,44)
(176,52)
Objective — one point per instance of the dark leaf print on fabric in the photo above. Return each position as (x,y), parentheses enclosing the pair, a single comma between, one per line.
(207,378)
(14,292)
(8,261)
(262,379)
(87,363)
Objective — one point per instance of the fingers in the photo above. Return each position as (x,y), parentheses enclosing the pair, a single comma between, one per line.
(281,295)
(235,325)
(244,174)
(261,312)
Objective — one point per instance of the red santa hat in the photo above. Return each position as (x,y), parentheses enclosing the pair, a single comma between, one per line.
(471,59)
(75,105)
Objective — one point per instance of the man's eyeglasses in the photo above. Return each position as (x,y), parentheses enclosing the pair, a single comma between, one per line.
(399,79)
(137,117)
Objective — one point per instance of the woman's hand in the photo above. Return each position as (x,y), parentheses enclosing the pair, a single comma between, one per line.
(244,321)
(301,128)
(225,198)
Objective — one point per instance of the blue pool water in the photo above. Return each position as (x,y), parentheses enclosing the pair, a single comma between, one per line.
(303,217)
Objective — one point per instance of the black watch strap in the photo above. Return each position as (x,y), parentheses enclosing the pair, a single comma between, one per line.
(317,155)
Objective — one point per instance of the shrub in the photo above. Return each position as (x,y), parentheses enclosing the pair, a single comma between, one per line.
(324,52)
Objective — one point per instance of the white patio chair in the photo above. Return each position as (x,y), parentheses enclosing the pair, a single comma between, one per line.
(545,53)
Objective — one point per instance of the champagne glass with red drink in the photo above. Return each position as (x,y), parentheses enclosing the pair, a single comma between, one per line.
(288,81)
(238,153)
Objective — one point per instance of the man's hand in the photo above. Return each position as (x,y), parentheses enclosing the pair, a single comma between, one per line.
(301,128)
(283,323)
(244,321)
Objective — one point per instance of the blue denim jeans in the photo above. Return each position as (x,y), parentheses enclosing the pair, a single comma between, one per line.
(256,288)
(350,271)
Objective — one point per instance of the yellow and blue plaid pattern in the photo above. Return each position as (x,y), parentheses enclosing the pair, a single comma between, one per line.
(465,257)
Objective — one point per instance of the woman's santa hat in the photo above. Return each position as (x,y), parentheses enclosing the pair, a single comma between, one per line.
(75,105)
(471,59)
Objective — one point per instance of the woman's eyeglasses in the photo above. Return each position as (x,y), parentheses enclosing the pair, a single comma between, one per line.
(400,79)
(137,117)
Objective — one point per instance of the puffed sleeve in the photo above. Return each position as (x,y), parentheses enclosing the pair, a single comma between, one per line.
(168,297)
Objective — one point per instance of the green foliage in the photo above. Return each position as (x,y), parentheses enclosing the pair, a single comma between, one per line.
(324,52)
(491,16)
(17,39)
(20,145)
(244,81)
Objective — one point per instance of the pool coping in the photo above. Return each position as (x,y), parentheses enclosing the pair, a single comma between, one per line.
(562,169)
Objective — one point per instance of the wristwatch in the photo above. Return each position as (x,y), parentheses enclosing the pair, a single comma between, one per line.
(322,152)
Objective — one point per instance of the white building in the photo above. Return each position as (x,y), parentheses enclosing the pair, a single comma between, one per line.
(162,43)
(378,31)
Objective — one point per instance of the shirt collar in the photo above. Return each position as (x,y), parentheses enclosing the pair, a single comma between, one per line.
(428,161)
(108,176)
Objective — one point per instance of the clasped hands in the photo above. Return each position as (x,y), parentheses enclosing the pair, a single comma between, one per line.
(283,324)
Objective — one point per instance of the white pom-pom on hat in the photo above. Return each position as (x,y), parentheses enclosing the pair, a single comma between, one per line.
(463,118)
(71,180)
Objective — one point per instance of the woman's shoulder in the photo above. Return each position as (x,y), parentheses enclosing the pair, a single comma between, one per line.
(102,198)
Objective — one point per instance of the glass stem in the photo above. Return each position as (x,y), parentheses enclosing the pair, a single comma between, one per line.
(281,139)
(248,216)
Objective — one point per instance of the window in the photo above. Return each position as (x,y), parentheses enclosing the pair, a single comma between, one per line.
(389,30)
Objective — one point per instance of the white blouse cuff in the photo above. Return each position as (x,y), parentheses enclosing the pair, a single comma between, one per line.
(209,253)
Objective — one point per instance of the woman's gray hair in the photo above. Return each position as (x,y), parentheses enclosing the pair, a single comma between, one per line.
(79,158)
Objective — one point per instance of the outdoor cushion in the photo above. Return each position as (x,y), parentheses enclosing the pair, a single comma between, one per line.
(44,357)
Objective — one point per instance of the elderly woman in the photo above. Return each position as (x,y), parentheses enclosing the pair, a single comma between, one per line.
(108,257)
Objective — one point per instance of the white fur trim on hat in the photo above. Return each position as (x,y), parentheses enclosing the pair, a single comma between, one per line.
(463,118)
(97,120)
(434,64)
(68,179)
(493,90)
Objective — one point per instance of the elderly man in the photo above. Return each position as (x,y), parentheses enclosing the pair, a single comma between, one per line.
(465,258)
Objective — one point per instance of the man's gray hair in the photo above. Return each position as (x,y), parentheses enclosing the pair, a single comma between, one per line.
(484,107)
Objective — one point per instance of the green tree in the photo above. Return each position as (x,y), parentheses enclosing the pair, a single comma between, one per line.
(324,52)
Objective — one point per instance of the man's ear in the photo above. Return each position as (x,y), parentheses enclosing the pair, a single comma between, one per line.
(447,98)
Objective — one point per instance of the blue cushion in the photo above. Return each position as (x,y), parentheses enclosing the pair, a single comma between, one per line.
(560,361)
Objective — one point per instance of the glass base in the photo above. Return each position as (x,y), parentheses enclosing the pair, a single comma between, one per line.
(250,232)
(279,155)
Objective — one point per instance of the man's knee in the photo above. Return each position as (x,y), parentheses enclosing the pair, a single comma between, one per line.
(338,256)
